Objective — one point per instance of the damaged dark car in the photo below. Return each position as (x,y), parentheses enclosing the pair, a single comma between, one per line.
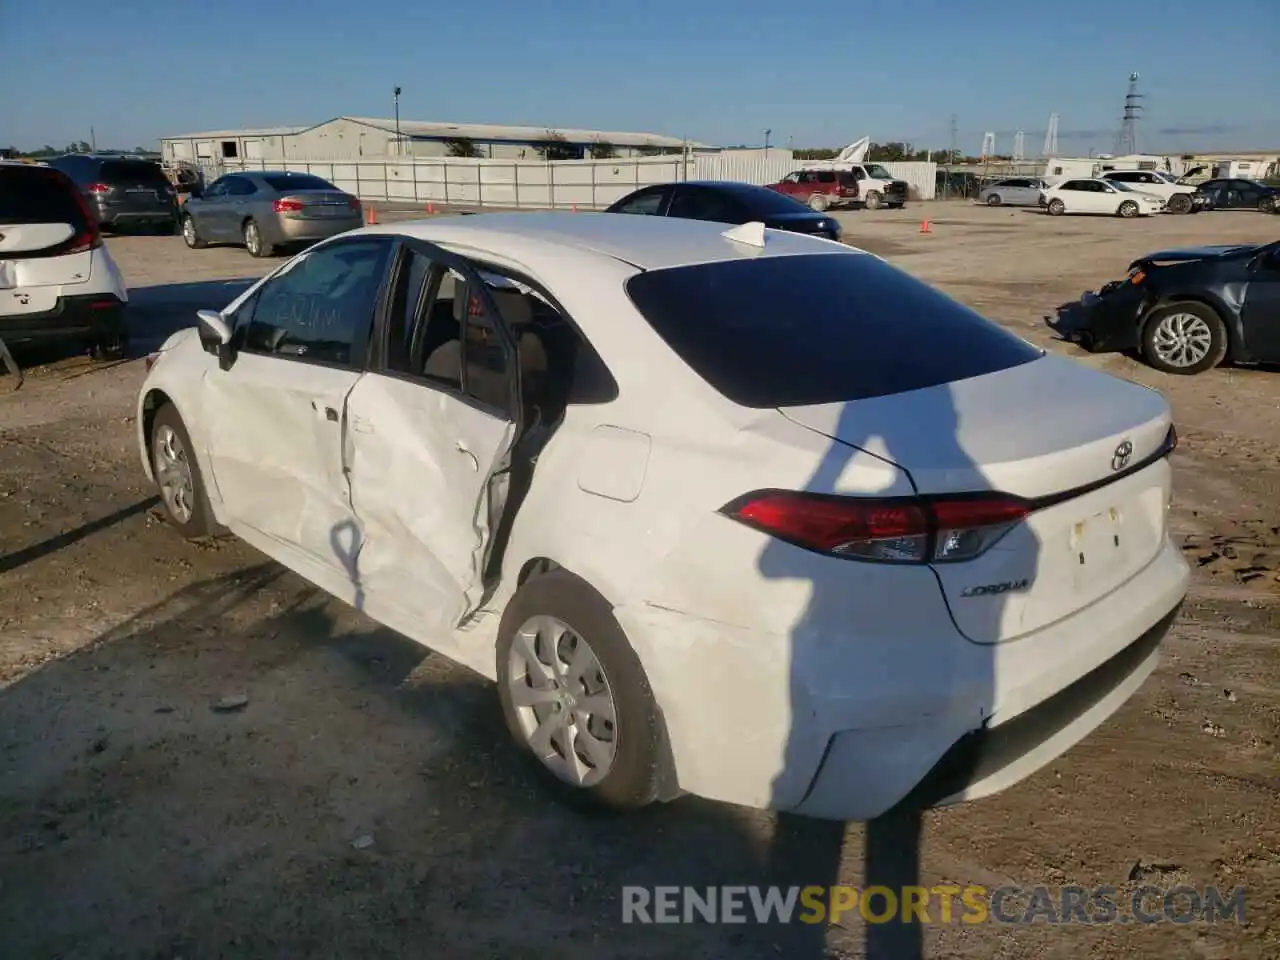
(1186,311)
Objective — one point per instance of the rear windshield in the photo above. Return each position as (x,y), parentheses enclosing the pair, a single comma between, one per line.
(761,201)
(131,171)
(818,328)
(38,195)
(296,181)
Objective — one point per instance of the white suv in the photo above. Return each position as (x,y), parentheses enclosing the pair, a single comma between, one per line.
(57,280)
(1178,197)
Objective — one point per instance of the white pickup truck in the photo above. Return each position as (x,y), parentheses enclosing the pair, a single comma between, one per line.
(1178,197)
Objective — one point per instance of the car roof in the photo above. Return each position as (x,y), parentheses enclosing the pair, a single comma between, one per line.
(649,243)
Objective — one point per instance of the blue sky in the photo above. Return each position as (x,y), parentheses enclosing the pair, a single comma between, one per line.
(716,71)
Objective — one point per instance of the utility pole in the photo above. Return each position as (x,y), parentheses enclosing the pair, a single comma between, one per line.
(951,158)
(93,141)
(399,142)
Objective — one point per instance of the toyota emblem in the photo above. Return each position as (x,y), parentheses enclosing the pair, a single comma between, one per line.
(1124,453)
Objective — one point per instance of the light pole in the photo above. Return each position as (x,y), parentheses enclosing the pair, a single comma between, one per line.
(399,142)
(767,134)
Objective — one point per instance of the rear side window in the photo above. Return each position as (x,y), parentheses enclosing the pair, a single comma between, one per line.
(296,181)
(131,171)
(38,195)
(821,328)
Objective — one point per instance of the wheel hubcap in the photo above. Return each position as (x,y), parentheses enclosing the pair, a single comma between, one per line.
(1182,339)
(251,238)
(563,702)
(173,474)
(189,230)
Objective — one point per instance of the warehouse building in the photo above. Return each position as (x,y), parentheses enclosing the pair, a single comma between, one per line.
(354,138)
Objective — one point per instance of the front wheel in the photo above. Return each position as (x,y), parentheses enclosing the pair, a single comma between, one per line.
(1180,203)
(874,200)
(254,242)
(1056,208)
(190,235)
(1128,209)
(1184,338)
(575,696)
(177,475)
(1268,205)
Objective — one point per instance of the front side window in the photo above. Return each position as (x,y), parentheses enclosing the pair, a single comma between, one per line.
(320,306)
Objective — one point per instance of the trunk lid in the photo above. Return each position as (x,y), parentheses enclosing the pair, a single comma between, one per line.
(1053,431)
(321,204)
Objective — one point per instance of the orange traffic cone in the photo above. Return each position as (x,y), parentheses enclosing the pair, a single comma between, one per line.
(573,207)
(373,216)
(431,208)
(924,226)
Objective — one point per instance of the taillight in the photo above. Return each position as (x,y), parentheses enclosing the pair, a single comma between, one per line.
(89,238)
(286,206)
(98,188)
(353,203)
(943,529)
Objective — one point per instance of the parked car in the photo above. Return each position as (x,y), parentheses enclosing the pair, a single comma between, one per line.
(1012,191)
(123,191)
(1178,197)
(819,189)
(727,202)
(1238,194)
(1188,310)
(1093,195)
(728,511)
(57,279)
(268,210)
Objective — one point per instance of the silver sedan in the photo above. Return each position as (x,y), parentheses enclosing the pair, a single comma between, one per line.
(1013,191)
(267,210)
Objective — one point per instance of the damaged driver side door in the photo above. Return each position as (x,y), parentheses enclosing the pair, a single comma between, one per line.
(431,427)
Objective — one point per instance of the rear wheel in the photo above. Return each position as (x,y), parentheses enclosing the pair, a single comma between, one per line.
(574,694)
(177,474)
(874,199)
(1180,203)
(818,202)
(1184,338)
(1128,209)
(254,242)
(1267,205)
(1056,208)
(993,200)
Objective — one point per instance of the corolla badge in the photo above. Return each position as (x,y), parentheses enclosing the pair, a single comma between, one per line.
(991,589)
(1124,453)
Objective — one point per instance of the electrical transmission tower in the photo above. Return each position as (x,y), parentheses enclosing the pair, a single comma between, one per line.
(1127,138)
(988,144)
(1051,137)
(1019,146)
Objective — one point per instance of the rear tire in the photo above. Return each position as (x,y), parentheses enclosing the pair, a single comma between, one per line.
(818,203)
(1056,208)
(615,679)
(1267,205)
(254,241)
(993,200)
(178,479)
(1184,338)
(874,200)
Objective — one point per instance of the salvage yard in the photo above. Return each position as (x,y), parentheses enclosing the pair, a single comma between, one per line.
(202,756)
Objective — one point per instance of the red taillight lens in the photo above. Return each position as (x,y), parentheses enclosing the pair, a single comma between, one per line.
(287,206)
(97,188)
(898,530)
(90,237)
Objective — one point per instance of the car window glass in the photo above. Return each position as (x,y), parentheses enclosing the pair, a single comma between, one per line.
(132,171)
(216,188)
(826,176)
(698,204)
(645,203)
(320,307)
(284,182)
(240,187)
(408,304)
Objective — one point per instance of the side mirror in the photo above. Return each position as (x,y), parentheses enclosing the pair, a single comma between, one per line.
(215,336)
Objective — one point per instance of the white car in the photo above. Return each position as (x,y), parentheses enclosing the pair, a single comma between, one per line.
(1178,197)
(1095,195)
(57,279)
(741,513)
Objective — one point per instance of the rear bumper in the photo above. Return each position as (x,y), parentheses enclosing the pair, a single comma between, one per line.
(284,230)
(123,216)
(835,723)
(89,316)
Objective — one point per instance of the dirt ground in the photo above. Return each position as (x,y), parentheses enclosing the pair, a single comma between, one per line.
(366,803)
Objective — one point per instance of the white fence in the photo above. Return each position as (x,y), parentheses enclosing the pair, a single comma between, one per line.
(536,184)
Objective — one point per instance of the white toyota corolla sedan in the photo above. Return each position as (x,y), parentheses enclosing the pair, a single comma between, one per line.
(733,512)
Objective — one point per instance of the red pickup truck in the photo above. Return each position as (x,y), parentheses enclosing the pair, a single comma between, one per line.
(820,189)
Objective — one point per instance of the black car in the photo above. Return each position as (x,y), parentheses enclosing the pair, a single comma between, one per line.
(1238,194)
(1188,310)
(727,202)
(123,191)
